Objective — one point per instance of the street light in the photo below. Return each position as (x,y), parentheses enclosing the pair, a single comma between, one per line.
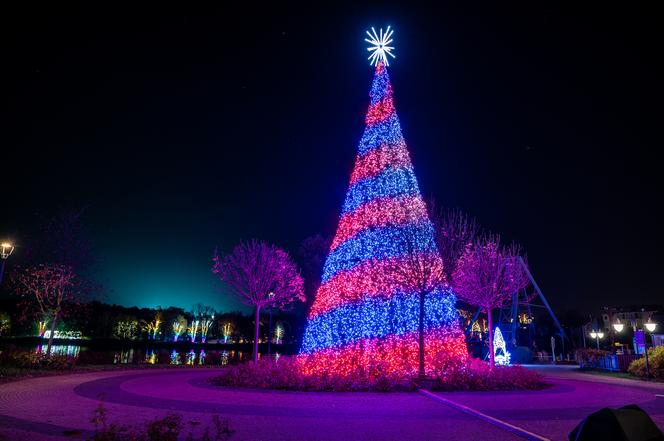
(6,250)
(269,331)
(650,326)
(618,326)
(597,335)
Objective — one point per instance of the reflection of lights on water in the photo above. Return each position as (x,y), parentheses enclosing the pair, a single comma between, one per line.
(191,357)
(124,357)
(224,357)
(150,356)
(175,357)
(201,357)
(68,350)
(277,356)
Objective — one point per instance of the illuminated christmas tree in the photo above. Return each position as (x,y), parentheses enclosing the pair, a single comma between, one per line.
(383,260)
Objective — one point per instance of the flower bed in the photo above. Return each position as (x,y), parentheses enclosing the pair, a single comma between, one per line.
(288,374)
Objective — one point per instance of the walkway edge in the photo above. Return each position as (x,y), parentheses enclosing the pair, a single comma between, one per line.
(489,419)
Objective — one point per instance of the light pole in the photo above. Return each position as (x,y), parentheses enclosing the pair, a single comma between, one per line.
(618,327)
(650,327)
(6,250)
(597,335)
(269,328)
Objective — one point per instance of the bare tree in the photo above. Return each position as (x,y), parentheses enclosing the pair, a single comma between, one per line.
(51,287)
(487,275)
(454,231)
(260,275)
(312,253)
(421,270)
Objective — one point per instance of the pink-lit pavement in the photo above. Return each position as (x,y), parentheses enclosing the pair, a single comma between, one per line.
(61,407)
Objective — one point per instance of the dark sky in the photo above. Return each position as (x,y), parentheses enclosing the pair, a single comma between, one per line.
(182,130)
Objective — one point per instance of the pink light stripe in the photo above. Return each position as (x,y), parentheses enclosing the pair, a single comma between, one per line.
(380,212)
(380,111)
(369,279)
(377,160)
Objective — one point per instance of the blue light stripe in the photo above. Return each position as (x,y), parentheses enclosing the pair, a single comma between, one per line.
(391,182)
(387,131)
(377,317)
(378,243)
(380,87)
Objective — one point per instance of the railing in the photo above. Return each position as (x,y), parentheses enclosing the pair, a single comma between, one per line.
(615,363)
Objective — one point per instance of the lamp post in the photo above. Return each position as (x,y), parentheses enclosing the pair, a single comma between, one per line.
(650,327)
(6,250)
(269,330)
(618,328)
(597,335)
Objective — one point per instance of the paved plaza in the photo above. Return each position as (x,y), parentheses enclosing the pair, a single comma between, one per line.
(61,407)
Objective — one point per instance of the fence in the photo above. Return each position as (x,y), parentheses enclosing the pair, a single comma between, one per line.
(613,362)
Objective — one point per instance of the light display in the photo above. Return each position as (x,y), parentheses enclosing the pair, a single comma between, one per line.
(192,330)
(179,327)
(363,313)
(379,46)
(227,330)
(41,328)
(205,327)
(501,356)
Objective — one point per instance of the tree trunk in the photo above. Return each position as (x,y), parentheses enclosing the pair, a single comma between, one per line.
(50,337)
(258,311)
(492,360)
(421,336)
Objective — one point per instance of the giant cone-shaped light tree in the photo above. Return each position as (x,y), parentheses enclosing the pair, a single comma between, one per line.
(383,301)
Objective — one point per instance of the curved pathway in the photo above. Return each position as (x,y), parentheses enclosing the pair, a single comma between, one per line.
(60,407)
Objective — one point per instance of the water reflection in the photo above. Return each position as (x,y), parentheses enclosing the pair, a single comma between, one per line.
(68,350)
(149,355)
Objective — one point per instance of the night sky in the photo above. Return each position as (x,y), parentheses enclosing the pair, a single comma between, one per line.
(181,130)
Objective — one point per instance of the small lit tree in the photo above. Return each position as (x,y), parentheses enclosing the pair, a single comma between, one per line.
(152,327)
(41,327)
(51,287)
(205,316)
(192,330)
(179,327)
(260,275)
(487,275)
(126,328)
(5,323)
(227,331)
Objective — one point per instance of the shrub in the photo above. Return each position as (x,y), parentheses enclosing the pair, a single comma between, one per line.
(589,358)
(167,428)
(27,359)
(655,363)
(287,373)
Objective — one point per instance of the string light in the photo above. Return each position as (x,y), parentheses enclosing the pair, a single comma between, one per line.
(362,313)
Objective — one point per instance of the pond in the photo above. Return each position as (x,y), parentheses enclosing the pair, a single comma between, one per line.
(150,355)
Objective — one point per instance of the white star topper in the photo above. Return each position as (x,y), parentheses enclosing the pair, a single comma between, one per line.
(379,46)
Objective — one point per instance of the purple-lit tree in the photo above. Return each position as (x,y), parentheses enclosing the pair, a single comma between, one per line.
(51,287)
(422,273)
(487,275)
(454,230)
(260,275)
